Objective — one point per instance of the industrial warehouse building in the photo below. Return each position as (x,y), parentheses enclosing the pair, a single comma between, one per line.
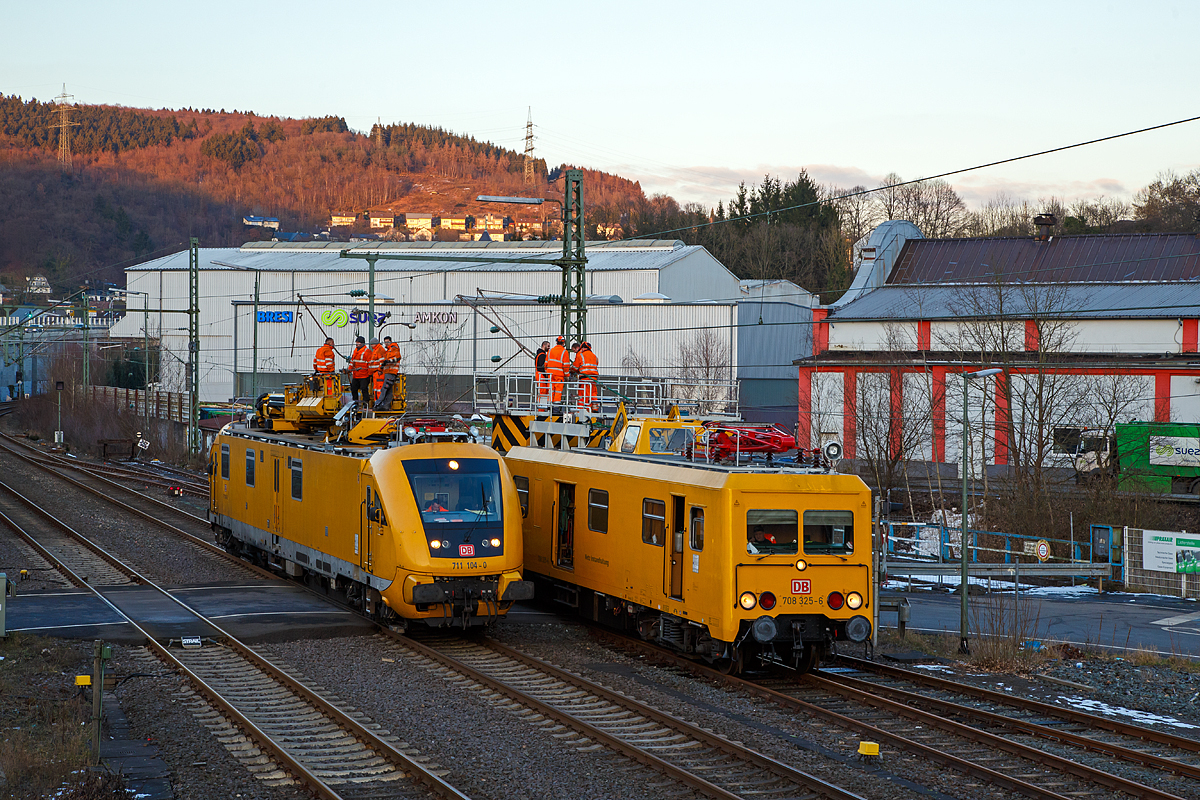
(1085,330)
(652,306)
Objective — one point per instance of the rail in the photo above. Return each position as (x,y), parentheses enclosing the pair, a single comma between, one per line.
(518,394)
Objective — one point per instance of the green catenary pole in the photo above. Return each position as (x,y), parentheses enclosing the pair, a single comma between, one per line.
(573,261)
(193,361)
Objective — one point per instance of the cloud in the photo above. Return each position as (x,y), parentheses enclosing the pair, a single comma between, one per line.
(709,185)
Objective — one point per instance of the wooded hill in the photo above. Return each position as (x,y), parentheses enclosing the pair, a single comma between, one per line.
(143,181)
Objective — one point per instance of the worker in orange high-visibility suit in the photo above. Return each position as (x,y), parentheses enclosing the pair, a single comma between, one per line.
(391,373)
(360,373)
(323,360)
(558,361)
(541,376)
(587,366)
(376,367)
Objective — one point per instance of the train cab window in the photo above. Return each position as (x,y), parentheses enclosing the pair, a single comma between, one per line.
(250,467)
(629,443)
(828,531)
(225,461)
(697,530)
(461,492)
(598,510)
(671,440)
(522,493)
(654,522)
(771,531)
(297,479)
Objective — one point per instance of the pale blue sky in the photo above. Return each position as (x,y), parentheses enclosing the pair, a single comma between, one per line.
(690,97)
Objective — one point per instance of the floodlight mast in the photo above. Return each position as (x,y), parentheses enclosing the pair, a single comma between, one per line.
(573,300)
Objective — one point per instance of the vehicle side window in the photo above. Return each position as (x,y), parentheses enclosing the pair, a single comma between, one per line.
(829,531)
(522,493)
(225,461)
(250,467)
(297,479)
(654,522)
(771,531)
(629,443)
(598,510)
(697,530)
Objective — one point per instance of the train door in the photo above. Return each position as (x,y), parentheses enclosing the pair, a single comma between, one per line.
(371,516)
(276,497)
(564,539)
(678,531)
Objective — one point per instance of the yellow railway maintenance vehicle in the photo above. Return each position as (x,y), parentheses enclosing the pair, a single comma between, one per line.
(720,562)
(411,521)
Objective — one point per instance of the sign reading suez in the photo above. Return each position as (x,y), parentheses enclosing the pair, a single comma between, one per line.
(801,586)
(1175,451)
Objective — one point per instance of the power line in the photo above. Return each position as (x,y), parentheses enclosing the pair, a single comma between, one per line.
(920,180)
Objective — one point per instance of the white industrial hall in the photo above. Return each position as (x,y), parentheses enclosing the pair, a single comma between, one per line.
(655,307)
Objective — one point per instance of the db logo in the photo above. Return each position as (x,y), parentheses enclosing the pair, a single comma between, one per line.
(466,549)
(801,586)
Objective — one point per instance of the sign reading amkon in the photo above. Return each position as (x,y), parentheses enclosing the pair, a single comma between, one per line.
(1175,451)
(435,317)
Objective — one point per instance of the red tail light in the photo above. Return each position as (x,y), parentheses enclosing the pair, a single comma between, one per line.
(836,600)
(766,601)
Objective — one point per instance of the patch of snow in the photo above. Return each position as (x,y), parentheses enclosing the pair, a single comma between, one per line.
(1140,717)
(933,667)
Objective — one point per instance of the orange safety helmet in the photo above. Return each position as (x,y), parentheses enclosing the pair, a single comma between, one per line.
(561,340)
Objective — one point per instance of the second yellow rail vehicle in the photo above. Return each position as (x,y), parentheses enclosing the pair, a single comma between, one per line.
(720,562)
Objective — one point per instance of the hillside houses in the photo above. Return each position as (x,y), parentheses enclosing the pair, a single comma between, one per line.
(427,226)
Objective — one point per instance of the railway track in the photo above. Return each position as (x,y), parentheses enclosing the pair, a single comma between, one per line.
(1021,716)
(693,756)
(336,753)
(965,744)
(189,527)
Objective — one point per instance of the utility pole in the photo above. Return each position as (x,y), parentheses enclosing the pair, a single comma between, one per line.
(193,359)
(64,126)
(529,148)
(87,352)
(573,261)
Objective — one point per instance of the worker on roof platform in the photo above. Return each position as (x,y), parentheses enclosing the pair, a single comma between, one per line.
(360,373)
(587,367)
(376,367)
(541,375)
(323,360)
(558,363)
(391,373)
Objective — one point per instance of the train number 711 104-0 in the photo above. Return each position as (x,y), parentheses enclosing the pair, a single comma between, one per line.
(469,565)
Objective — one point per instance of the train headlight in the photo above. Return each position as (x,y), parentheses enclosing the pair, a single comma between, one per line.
(836,601)
(747,600)
(435,544)
(854,600)
(495,542)
(453,465)
(858,629)
(767,601)
(446,543)
(801,564)
(410,432)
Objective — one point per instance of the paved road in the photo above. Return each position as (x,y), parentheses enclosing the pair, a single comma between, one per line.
(1163,624)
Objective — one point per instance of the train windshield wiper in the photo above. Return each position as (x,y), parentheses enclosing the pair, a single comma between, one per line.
(479,517)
